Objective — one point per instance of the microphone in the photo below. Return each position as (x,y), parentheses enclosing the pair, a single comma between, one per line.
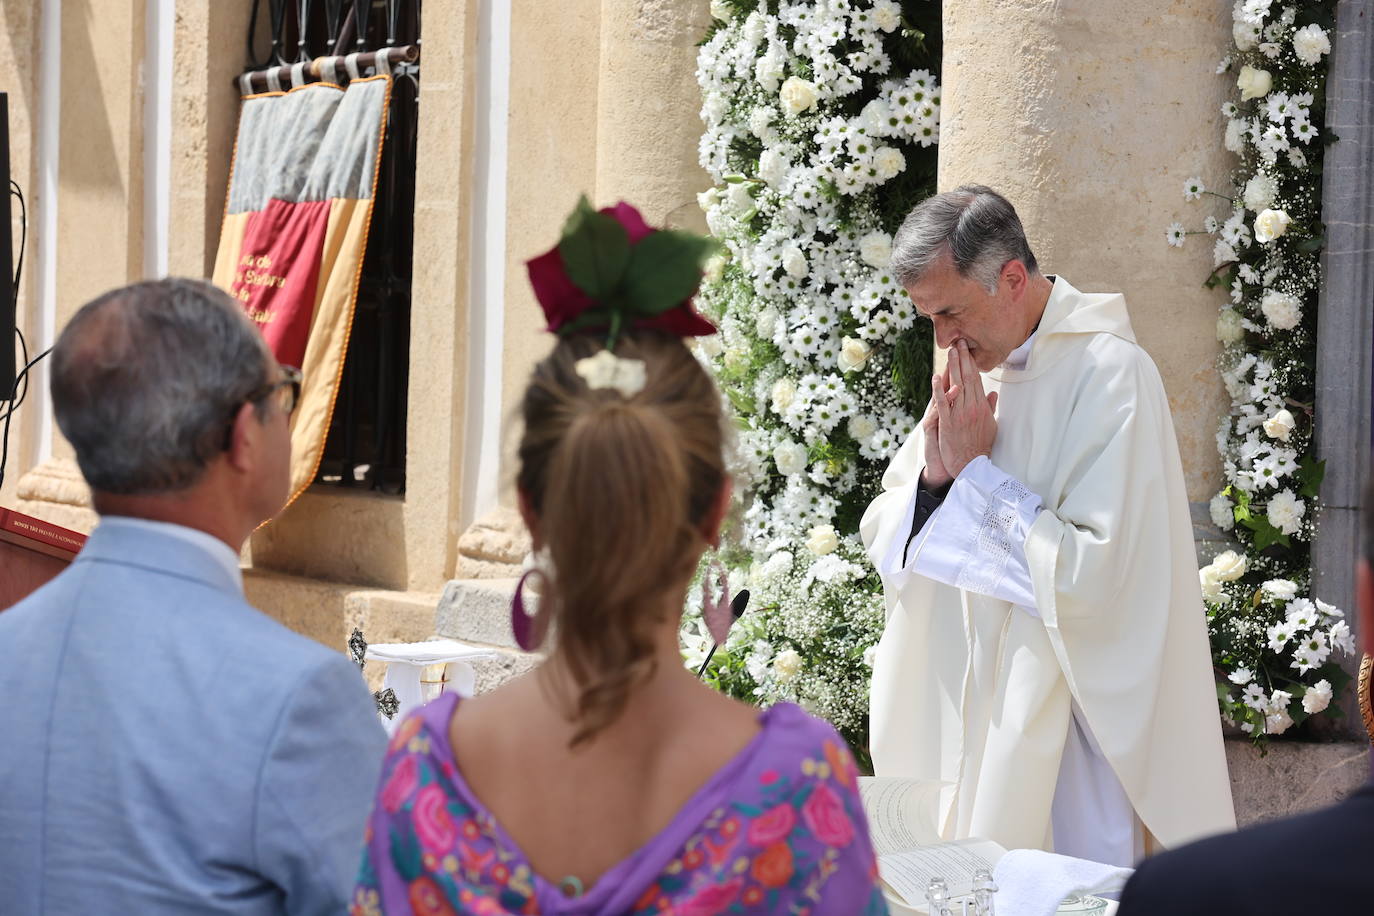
(737,609)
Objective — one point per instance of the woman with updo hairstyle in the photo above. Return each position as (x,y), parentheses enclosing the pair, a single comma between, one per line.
(609,779)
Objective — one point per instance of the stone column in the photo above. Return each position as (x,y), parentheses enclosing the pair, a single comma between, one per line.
(1090,115)
(99,199)
(648,125)
(20,25)
(1345,318)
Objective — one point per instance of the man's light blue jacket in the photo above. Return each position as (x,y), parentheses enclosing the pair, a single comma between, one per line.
(166,748)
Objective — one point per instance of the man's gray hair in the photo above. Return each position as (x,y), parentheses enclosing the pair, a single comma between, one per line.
(146,380)
(976,225)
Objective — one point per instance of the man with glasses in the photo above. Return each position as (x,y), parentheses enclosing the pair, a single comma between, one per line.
(167,748)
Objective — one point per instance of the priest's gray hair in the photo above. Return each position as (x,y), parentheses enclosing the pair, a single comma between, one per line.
(976,225)
(146,380)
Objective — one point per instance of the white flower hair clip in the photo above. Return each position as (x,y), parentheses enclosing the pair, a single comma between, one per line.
(606,370)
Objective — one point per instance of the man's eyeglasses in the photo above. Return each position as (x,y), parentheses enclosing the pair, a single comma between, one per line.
(287,390)
(290,385)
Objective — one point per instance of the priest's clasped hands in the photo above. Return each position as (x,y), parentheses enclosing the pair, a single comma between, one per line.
(959,423)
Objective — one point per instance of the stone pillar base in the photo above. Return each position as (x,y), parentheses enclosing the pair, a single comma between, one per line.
(56,492)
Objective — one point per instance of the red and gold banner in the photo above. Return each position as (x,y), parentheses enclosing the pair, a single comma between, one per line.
(295,230)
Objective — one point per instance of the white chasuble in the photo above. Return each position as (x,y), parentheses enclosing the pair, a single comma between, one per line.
(1095,609)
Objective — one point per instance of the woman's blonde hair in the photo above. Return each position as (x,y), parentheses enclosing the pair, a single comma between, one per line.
(621,487)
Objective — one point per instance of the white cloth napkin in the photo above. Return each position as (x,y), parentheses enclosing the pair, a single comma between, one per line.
(1034,883)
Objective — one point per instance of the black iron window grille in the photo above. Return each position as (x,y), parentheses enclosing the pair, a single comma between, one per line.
(366,446)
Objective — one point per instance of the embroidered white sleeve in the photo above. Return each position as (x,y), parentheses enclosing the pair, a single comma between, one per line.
(976,540)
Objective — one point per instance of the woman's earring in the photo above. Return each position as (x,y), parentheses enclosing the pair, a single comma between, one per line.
(716,610)
(522,623)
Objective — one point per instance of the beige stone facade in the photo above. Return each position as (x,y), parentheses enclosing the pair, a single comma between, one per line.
(1089,115)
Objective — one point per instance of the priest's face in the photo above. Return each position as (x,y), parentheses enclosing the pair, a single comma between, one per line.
(961,308)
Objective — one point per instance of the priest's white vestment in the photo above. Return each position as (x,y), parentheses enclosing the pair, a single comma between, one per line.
(971,689)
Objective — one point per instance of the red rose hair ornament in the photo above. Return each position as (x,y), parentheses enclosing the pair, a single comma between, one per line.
(612,271)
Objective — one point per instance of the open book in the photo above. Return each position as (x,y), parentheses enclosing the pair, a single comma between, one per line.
(903,818)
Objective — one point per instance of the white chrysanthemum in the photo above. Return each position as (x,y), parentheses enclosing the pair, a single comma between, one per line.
(862,426)
(794,262)
(1341,638)
(1310,43)
(1230,326)
(1286,512)
(1317,697)
(1193,188)
(1222,511)
(1260,192)
(887,14)
(1281,310)
(1241,676)
(1223,252)
(1302,614)
(1175,235)
(875,249)
(1245,35)
(1279,589)
(1278,635)
(766,322)
(1235,136)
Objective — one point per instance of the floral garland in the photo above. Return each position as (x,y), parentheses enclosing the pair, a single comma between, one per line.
(1272,642)
(820,135)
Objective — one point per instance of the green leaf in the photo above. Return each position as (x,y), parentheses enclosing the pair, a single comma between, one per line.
(1241,512)
(1312,245)
(595,250)
(1265,533)
(1311,473)
(664,270)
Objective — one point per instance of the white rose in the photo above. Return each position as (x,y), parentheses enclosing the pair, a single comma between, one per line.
(1271,224)
(822,540)
(1281,310)
(1280,425)
(1229,327)
(1235,136)
(876,249)
(1280,589)
(853,354)
(708,199)
(1253,83)
(1260,191)
(766,322)
(1245,35)
(787,665)
(862,427)
(798,95)
(1229,565)
(1286,511)
(1310,43)
(1211,584)
(741,197)
(1317,697)
(710,346)
(889,161)
(715,267)
(721,10)
(790,458)
(784,393)
(794,262)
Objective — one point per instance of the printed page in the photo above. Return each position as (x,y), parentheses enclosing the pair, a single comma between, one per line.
(902,813)
(908,873)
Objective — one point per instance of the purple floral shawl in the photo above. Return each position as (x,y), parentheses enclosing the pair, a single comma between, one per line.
(778,829)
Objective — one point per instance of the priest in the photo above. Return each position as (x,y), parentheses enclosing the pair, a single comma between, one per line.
(1045,652)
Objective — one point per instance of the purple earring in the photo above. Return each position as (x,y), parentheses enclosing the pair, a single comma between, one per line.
(716,611)
(521,623)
